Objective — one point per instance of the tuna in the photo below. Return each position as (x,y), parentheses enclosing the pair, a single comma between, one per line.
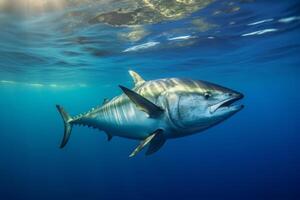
(157,110)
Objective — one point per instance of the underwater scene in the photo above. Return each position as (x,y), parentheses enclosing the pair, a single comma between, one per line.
(149,99)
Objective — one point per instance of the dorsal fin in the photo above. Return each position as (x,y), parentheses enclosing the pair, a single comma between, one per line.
(142,103)
(136,78)
(105,101)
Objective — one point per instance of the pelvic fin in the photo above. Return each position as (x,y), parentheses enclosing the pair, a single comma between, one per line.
(156,141)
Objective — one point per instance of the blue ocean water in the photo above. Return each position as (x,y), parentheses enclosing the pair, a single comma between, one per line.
(56,53)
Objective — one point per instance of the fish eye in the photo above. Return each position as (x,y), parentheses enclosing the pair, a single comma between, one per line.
(207,95)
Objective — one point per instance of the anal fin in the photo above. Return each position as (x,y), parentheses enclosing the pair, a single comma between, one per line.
(109,137)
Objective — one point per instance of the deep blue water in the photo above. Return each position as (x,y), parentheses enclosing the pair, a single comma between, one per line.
(57,55)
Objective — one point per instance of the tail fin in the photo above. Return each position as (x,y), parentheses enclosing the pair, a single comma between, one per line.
(68,126)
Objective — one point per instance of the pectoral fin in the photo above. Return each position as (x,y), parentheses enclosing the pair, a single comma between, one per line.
(155,140)
(142,103)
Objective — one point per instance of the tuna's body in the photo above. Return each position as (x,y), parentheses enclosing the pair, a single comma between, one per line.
(164,107)
(121,117)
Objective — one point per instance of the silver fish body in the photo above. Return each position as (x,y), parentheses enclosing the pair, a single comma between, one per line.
(157,110)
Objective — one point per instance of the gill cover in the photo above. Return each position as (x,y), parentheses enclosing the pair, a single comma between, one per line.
(192,108)
(186,110)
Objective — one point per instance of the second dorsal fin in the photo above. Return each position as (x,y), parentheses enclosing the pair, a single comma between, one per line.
(136,78)
(105,101)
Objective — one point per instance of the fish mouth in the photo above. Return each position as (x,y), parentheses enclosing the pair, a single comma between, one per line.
(228,104)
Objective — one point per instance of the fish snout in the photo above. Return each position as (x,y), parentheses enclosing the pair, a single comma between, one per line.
(228,103)
(235,95)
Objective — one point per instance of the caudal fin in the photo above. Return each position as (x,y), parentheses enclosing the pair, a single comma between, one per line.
(68,126)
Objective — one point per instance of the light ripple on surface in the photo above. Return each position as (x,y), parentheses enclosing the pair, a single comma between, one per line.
(260,32)
(141,46)
(260,22)
(40,85)
(183,37)
(289,19)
